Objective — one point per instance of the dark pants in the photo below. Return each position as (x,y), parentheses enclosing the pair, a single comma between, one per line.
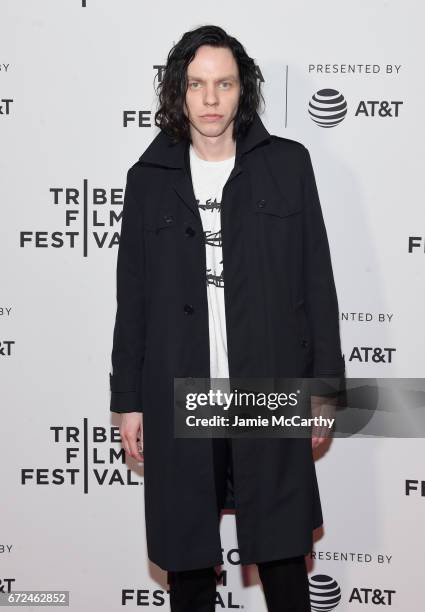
(285,581)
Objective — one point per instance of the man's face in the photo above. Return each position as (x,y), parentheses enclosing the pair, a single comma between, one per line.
(213,90)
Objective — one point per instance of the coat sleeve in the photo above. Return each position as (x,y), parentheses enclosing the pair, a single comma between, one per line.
(319,285)
(128,336)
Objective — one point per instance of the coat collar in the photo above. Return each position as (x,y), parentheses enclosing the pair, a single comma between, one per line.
(162,152)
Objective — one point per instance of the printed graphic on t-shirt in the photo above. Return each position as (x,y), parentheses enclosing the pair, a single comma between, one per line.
(214,279)
(208,180)
(211,221)
(212,232)
(208,205)
(213,238)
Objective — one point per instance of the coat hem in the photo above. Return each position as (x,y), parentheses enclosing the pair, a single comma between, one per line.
(295,551)
(205,561)
(255,559)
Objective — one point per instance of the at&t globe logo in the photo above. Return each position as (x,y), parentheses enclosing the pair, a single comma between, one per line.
(327,108)
(325,593)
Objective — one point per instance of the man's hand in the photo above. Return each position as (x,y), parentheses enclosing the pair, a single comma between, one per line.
(131,431)
(324,407)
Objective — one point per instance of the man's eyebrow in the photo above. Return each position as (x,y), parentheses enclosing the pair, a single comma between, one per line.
(224,78)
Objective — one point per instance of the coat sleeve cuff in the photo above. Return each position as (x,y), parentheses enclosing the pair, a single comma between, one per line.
(328,384)
(124,401)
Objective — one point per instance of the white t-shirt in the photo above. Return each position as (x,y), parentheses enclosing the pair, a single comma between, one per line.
(208,179)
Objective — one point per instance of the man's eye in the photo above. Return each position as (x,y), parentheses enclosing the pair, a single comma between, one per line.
(192,84)
(226,83)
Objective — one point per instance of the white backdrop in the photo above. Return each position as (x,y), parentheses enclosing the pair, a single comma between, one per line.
(74,81)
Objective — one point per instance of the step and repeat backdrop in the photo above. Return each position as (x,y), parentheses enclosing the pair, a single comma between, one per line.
(77,98)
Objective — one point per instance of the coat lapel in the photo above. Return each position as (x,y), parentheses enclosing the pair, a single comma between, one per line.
(163,153)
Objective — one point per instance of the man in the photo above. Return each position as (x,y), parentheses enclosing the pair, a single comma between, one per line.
(223,270)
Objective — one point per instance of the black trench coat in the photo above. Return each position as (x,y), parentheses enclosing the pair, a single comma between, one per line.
(282,321)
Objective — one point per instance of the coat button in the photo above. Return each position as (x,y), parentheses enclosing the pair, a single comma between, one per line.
(189,231)
(168,218)
(188,309)
(304,343)
(261,203)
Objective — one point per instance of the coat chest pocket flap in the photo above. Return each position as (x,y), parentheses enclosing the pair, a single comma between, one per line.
(277,206)
(162,219)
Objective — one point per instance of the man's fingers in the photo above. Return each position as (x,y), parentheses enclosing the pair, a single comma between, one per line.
(131,446)
(132,437)
(317,441)
(134,449)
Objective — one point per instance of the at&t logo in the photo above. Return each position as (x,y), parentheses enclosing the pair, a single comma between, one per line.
(328,108)
(325,593)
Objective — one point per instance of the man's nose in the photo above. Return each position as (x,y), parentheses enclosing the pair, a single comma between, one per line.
(210,95)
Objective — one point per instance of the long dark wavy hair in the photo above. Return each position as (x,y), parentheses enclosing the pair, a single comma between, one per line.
(172,89)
